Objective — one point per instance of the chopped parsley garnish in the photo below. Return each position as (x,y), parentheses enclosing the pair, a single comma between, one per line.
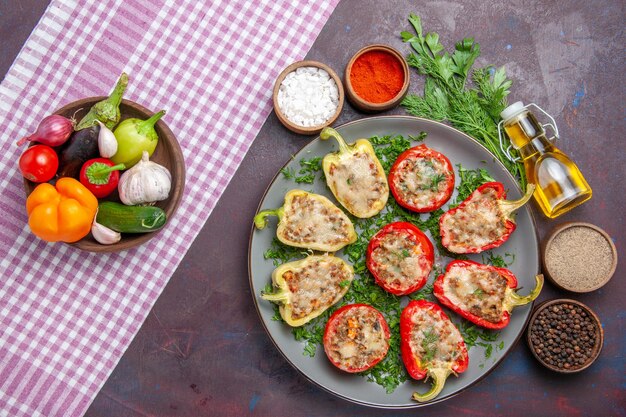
(498,260)
(307,173)
(429,345)
(435,180)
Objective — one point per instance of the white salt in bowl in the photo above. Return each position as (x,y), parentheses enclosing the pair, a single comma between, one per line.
(579,257)
(282,113)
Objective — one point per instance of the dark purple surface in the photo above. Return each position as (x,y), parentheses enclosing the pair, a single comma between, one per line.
(202,350)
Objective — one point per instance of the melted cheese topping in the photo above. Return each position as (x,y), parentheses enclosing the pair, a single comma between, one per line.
(477,290)
(358,340)
(309,221)
(357,183)
(422,181)
(400,262)
(433,340)
(477,224)
(315,285)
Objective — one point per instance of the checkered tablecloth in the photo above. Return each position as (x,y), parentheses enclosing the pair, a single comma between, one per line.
(67,316)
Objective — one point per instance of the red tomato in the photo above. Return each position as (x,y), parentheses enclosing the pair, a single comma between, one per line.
(39,163)
(421,179)
(400,256)
(356,338)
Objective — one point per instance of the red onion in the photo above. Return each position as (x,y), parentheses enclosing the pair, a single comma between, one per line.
(52,131)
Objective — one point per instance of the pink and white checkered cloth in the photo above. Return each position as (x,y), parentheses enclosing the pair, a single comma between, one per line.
(67,316)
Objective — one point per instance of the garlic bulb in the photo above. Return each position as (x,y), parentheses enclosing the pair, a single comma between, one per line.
(103,234)
(146,182)
(107,144)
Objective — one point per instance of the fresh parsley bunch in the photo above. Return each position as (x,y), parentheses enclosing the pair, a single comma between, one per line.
(474,110)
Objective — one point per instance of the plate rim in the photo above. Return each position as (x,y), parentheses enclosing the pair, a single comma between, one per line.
(481,378)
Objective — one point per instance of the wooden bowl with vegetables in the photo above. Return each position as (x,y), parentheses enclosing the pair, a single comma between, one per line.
(134,207)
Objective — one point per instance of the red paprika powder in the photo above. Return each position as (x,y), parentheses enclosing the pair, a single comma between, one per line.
(376,76)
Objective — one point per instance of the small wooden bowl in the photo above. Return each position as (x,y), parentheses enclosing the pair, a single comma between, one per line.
(579,260)
(304,130)
(167,154)
(599,335)
(367,106)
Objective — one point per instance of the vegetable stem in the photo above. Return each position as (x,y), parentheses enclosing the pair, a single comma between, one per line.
(513,299)
(107,110)
(146,126)
(260,220)
(118,91)
(280,297)
(439,376)
(508,207)
(328,132)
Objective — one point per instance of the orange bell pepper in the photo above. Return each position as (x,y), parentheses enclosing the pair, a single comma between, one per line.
(63,212)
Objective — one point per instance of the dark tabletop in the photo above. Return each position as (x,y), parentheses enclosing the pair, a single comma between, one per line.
(203,351)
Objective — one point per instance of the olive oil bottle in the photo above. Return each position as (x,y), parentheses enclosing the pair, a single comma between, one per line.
(560,184)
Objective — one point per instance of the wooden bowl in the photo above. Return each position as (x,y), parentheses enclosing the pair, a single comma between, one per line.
(368,106)
(167,154)
(534,342)
(579,257)
(296,128)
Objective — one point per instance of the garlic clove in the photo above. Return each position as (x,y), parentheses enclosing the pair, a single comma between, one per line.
(103,234)
(107,144)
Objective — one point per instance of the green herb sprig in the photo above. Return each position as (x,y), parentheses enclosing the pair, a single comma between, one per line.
(474,110)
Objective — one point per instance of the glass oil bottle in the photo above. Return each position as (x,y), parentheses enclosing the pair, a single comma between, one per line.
(560,184)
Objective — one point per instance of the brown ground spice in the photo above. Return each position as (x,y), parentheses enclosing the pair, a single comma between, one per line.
(579,258)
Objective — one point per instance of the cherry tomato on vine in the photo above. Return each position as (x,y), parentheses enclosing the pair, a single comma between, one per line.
(39,163)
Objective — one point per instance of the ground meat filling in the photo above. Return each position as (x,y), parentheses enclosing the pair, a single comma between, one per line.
(308,220)
(317,285)
(357,182)
(477,224)
(400,261)
(358,340)
(477,290)
(433,340)
(421,182)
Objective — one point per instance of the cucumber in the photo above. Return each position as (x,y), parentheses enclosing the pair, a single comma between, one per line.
(130,219)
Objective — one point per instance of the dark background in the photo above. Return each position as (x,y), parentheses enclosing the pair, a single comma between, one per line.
(202,350)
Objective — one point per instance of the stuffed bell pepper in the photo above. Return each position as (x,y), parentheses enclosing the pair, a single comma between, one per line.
(306,288)
(431,346)
(310,221)
(400,257)
(355,176)
(482,294)
(483,221)
(356,338)
(421,179)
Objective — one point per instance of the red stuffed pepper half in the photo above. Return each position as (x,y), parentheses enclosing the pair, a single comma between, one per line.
(356,338)
(482,294)
(421,179)
(400,256)
(481,222)
(431,346)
